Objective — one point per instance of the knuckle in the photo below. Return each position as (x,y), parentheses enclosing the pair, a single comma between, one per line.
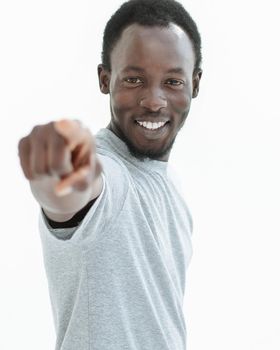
(22,144)
(36,129)
(57,159)
(39,169)
(58,142)
(40,131)
(60,159)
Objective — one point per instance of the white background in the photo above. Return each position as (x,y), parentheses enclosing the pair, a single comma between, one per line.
(227,156)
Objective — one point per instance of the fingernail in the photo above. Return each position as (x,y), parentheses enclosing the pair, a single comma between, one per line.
(64,192)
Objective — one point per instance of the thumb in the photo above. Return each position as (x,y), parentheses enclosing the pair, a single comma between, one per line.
(68,184)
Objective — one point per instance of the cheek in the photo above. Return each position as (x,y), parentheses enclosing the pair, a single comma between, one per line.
(122,101)
(180,103)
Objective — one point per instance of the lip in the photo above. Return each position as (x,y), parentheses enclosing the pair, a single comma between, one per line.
(152,134)
(152,120)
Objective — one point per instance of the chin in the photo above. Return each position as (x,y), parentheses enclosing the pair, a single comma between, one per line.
(154,154)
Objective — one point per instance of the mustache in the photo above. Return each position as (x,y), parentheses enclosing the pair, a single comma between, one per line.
(152,115)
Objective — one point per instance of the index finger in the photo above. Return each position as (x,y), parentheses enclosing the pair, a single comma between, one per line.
(72,131)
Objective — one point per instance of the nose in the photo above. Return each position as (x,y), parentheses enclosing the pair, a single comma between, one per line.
(154,100)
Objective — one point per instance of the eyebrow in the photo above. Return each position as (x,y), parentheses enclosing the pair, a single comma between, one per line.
(177,70)
(135,68)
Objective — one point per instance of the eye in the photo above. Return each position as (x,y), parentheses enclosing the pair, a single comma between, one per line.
(175,82)
(133,80)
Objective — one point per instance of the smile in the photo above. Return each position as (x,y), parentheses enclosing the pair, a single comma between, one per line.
(151,125)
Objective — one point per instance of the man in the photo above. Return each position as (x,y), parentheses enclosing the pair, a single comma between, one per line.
(115,231)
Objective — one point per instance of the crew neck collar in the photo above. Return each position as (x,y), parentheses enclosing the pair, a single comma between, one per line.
(120,147)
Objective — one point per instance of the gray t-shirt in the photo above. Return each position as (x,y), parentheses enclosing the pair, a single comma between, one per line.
(117,281)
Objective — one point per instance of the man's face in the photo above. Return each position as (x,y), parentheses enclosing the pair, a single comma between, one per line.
(151,85)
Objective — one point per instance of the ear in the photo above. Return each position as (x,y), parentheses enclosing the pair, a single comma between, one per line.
(104,79)
(196,80)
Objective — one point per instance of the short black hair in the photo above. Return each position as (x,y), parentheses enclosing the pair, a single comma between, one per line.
(149,13)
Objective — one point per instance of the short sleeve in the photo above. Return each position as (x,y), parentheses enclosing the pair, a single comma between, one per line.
(103,212)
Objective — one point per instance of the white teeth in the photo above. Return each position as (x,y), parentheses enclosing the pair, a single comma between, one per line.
(150,125)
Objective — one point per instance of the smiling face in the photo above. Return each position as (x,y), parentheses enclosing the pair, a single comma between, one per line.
(151,85)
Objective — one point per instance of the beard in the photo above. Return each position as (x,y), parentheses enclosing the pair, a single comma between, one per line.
(142,154)
(154,153)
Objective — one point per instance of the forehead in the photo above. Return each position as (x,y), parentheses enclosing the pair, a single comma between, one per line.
(147,46)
